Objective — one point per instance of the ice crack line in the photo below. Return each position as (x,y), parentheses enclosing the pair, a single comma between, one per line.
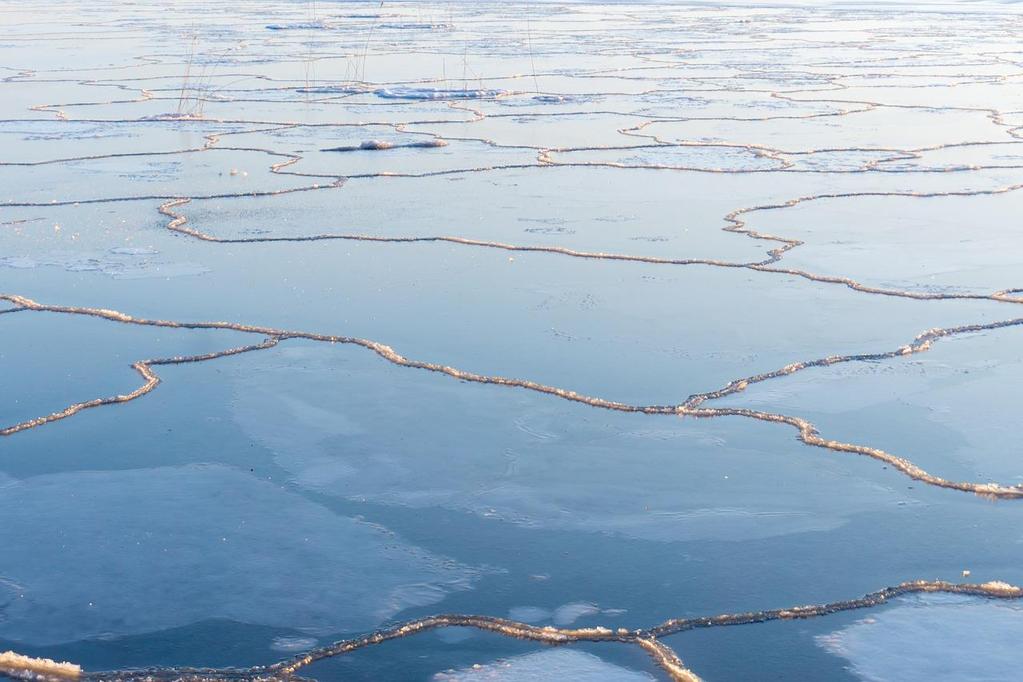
(737,224)
(694,406)
(648,639)
(145,370)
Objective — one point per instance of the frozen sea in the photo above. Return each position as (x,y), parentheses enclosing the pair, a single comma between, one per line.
(318,318)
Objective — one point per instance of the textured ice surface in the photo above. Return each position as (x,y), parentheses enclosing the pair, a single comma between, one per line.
(558,323)
(657,213)
(270,111)
(703,158)
(947,410)
(531,130)
(954,243)
(37,141)
(124,240)
(934,638)
(527,461)
(315,491)
(561,664)
(119,262)
(871,129)
(150,549)
(216,171)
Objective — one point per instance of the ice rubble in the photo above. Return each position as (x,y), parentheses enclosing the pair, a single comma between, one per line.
(437,93)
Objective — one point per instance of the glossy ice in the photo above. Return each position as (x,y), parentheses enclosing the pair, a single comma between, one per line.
(318,319)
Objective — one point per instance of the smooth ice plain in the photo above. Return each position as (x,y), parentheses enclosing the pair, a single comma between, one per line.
(511,341)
